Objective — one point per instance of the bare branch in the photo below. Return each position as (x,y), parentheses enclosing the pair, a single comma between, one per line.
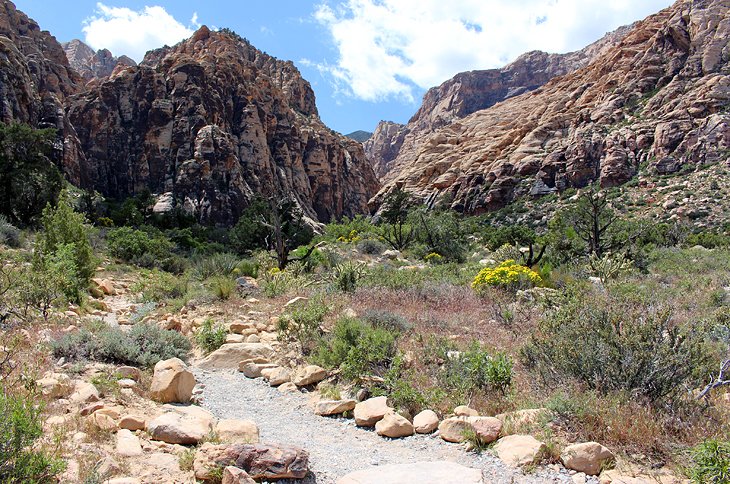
(718,382)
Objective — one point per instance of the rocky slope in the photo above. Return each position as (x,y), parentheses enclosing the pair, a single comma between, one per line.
(93,65)
(209,124)
(659,99)
(469,92)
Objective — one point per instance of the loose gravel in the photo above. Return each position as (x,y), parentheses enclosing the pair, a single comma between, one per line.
(336,446)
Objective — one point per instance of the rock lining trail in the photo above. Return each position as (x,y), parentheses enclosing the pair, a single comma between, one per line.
(336,446)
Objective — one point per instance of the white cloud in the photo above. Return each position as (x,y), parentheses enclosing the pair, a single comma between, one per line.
(133,33)
(391,48)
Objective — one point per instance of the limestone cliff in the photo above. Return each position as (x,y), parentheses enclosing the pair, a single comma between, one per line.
(660,98)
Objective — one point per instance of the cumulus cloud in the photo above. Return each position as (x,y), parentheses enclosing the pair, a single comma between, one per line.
(392,48)
(133,33)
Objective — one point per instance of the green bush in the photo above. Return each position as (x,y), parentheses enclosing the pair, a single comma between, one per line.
(248,268)
(210,337)
(223,287)
(302,323)
(711,462)
(156,286)
(475,369)
(347,274)
(21,426)
(132,245)
(347,229)
(609,345)
(357,349)
(223,264)
(441,233)
(380,318)
(371,247)
(9,234)
(144,345)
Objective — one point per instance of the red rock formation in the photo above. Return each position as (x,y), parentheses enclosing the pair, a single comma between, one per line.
(661,97)
(94,65)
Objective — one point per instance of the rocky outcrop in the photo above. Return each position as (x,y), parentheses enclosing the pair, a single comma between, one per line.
(94,65)
(214,121)
(469,92)
(660,98)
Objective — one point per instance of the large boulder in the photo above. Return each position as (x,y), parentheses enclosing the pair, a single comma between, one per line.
(426,422)
(237,431)
(394,425)
(234,475)
(260,461)
(368,413)
(424,472)
(587,457)
(184,425)
(276,376)
(454,429)
(465,411)
(128,444)
(231,355)
(486,429)
(333,407)
(519,450)
(309,375)
(172,382)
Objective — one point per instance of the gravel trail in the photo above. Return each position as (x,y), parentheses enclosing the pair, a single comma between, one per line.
(335,445)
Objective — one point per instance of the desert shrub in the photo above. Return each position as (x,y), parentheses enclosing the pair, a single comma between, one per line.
(144,345)
(346,275)
(609,266)
(156,286)
(357,349)
(710,462)
(223,264)
(371,247)
(9,234)
(476,370)
(399,389)
(21,425)
(441,233)
(507,252)
(275,282)
(348,229)
(380,318)
(609,345)
(222,287)
(132,245)
(210,336)
(507,275)
(708,239)
(301,323)
(248,268)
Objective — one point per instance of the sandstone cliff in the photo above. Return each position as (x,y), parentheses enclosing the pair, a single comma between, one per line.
(660,99)
(468,92)
(94,65)
(214,121)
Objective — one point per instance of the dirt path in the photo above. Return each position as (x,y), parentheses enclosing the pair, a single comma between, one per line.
(335,445)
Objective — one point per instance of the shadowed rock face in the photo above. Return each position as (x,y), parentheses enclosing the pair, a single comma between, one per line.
(660,97)
(211,123)
(93,65)
(473,91)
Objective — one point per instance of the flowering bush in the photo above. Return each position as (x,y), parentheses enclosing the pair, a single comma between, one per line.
(434,258)
(352,238)
(507,275)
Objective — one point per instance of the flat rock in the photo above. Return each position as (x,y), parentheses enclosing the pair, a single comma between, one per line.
(394,426)
(237,431)
(260,461)
(440,472)
(453,429)
(184,426)
(333,407)
(309,375)
(231,355)
(519,450)
(128,444)
(368,413)
(132,422)
(587,457)
(234,475)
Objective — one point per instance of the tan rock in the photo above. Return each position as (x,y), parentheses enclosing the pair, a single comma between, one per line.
(234,475)
(464,411)
(276,376)
(394,425)
(55,386)
(172,382)
(368,413)
(181,426)
(519,450)
(89,409)
(260,461)
(254,370)
(426,422)
(288,387)
(102,422)
(333,407)
(132,422)
(237,431)
(587,457)
(487,429)
(231,355)
(128,444)
(84,393)
(419,472)
(124,480)
(309,375)
(454,429)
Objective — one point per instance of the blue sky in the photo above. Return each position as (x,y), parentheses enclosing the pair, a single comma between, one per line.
(367,60)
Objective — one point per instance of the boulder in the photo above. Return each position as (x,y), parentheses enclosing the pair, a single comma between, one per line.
(234,475)
(487,429)
(519,450)
(172,382)
(426,422)
(231,355)
(55,386)
(132,422)
(129,372)
(237,431)
(453,429)
(128,444)
(104,285)
(260,461)
(181,426)
(84,393)
(394,426)
(440,472)
(288,387)
(102,421)
(89,409)
(254,370)
(368,413)
(587,457)
(309,375)
(276,376)
(464,411)
(333,407)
